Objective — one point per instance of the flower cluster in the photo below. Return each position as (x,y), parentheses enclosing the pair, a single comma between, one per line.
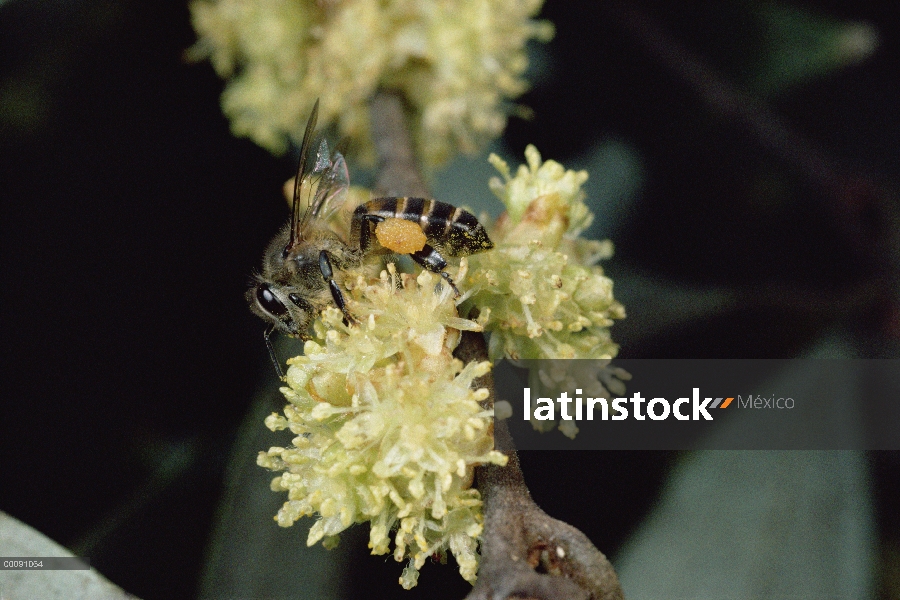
(457,62)
(387,427)
(540,292)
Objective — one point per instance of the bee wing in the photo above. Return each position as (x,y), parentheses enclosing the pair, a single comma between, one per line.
(324,173)
(331,190)
(323,157)
(298,220)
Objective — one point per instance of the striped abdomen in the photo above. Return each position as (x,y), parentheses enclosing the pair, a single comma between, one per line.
(452,229)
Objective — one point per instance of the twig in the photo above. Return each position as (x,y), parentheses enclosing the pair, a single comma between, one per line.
(525,553)
(398,171)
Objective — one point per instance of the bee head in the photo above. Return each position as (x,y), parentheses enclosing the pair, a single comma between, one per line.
(289,312)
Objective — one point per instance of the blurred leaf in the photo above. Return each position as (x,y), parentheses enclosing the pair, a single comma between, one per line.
(800,45)
(18,539)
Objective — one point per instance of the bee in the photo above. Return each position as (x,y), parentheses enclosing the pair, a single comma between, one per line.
(303,261)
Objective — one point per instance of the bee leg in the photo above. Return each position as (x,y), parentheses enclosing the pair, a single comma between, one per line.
(267,335)
(362,220)
(336,295)
(431,260)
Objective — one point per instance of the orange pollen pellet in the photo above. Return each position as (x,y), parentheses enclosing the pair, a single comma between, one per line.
(400,236)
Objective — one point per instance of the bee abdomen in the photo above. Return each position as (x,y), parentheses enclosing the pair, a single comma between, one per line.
(446,226)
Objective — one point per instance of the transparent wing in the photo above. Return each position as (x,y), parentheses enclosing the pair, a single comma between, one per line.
(320,187)
(323,157)
(298,220)
(333,179)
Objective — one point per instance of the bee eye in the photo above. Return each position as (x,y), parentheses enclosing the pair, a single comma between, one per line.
(269,302)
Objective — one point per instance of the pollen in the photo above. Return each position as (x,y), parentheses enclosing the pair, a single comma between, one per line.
(400,236)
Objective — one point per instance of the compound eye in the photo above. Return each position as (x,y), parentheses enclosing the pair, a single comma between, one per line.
(269,302)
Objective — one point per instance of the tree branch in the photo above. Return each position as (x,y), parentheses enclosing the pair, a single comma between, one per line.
(525,553)
(398,171)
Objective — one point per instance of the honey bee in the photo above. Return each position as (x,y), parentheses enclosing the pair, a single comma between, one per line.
(303,261)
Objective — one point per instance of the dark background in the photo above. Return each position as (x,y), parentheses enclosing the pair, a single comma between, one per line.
(132,219)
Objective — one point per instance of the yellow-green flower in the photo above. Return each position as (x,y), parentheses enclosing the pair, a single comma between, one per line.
(387,427)
(540,292)
(457,63)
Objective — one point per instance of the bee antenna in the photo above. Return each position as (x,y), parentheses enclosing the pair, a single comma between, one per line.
(267,335)
(301,169)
